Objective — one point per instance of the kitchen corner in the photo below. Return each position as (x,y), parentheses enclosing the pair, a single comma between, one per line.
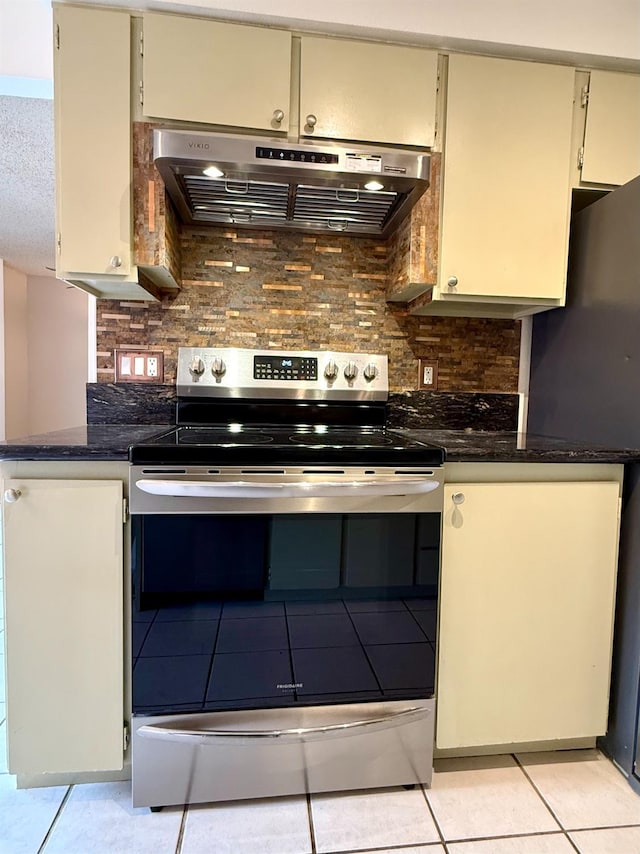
(312,553)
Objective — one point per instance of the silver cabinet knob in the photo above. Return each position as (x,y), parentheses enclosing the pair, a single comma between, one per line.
(197,367)
(218,368)
(278,115)
(458,498)
(12,495)
(331,370)
(370,372)
(312,120)
(452,281)
(350,371)
(115,262)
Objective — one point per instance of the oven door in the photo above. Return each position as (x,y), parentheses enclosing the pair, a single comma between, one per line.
(282,618)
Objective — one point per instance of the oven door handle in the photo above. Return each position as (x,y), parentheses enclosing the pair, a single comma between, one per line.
(302,489)
(172,733)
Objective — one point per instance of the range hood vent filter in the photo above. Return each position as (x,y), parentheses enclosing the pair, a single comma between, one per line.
(303,186)
(224,201)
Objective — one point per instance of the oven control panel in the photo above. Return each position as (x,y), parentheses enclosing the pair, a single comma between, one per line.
(285,368)
(279,374)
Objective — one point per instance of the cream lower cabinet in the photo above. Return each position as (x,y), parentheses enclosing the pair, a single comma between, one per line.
(527,604)
(505,189)
(63,542)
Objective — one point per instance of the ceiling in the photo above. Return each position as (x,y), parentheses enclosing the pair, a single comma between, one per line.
(26,184)
(26,123)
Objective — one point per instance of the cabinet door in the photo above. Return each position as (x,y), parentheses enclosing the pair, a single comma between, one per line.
(369,92)
(63,587)
(612,133)
(221,74)
(527,601)
(93,141)
(506,179)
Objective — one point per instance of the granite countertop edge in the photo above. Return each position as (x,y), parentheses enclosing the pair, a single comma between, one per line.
(99,442)
(111,443)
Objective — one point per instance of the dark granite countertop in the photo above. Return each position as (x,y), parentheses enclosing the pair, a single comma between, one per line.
(111,442)
(470,446)
(92,442)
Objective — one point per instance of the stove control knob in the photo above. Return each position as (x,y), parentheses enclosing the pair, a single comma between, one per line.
(196,368)
(331,371)
(218,368)
(350,371)
(370,372)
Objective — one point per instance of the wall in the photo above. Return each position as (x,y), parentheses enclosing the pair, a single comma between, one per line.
(283,290)
(26,55)
(576,26)
(2,359)
(57,336)
(43,354)
(13,307)
(579,27)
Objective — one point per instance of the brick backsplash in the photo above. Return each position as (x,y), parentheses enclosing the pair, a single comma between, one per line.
(292,291)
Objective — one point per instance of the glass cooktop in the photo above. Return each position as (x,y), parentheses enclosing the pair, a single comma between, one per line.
(320,444)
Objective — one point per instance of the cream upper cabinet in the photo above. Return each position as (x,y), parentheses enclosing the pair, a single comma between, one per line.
(365,91)
(611,152)
(63,542)
(527,606)
(222,74)
(506,181)
(92,142)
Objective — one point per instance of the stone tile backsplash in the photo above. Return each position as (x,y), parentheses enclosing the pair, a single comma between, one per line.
(292,291)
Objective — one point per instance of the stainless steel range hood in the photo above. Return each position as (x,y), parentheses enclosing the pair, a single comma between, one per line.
(305,186)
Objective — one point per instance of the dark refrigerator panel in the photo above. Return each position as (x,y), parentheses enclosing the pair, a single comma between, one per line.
(585,385)
(585,358)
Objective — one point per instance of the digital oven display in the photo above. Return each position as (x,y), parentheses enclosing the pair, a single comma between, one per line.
(285,368)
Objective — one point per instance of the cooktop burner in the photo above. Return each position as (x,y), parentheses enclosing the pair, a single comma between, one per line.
(342,438)
(223,436)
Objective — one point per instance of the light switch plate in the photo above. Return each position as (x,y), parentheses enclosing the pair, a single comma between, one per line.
(428,374)
(139,366)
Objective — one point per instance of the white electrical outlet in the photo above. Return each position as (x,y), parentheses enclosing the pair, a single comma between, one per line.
(428,374)
(152,366)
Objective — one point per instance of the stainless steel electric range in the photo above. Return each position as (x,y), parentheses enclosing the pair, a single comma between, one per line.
(286,554)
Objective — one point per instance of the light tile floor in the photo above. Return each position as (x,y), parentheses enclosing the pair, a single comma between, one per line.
(523,804)
(544,803)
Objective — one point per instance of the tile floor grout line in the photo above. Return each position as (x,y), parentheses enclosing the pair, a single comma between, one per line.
(312,833)
(47,835)
(525,835)
(544,801)
(183,824)
(433,816)
(385,848)
(602,827)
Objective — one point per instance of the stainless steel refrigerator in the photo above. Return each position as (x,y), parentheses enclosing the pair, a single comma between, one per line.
(585,385)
